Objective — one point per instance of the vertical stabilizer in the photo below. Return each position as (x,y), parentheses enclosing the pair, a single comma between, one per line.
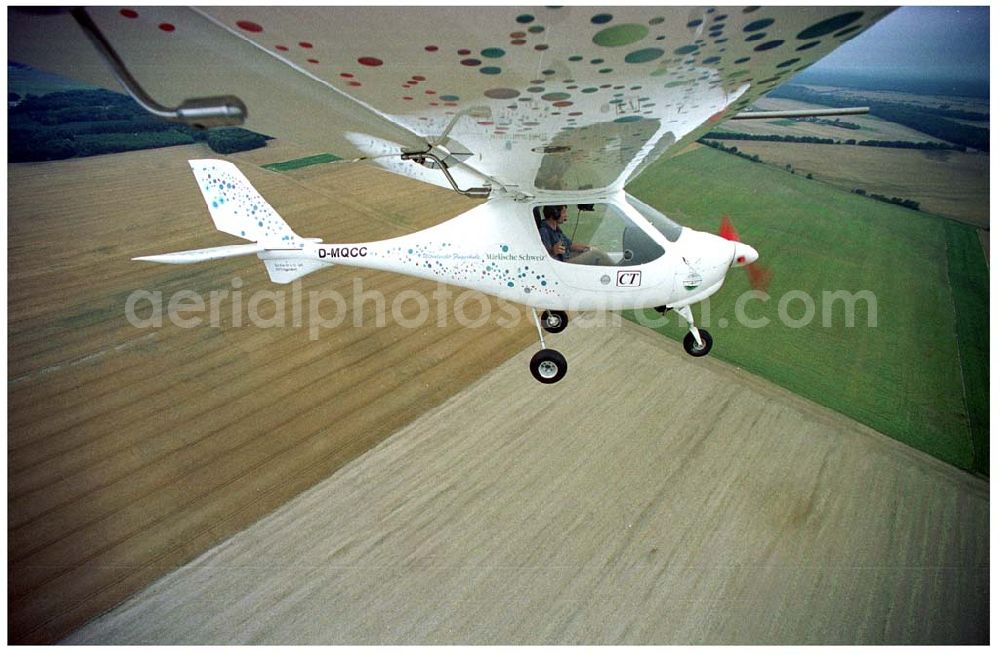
(237,208)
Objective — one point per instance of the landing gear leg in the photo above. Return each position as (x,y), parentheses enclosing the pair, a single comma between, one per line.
(697,342)
(547,366)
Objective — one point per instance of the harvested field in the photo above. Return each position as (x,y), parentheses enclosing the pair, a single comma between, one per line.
(647,498)
(953,184)
(131,450)
(872,127)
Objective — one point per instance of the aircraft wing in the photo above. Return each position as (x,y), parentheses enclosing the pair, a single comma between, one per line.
(534,100)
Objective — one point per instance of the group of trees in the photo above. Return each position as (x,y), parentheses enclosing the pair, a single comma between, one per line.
(903,202)
(731,150)
(84,123)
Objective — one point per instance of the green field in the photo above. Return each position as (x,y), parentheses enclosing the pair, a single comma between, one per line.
(285,166)
(919,374)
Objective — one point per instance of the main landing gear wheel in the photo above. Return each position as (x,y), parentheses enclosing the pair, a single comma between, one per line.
(548,366)
(691,345)
(554,321)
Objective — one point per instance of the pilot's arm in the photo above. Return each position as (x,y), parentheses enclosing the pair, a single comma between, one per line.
(552,243)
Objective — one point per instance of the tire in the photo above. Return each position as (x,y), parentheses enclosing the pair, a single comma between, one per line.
(691,346)
(554,321)
(548,366)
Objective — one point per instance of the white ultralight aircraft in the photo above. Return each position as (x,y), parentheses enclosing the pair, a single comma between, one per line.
(544,112)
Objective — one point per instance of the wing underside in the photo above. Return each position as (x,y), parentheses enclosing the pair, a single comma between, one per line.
(533,99)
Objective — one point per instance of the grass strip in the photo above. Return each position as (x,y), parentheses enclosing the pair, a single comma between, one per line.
(969,279)
(284,166)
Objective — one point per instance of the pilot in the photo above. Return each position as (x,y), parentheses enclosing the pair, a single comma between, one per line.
(560,246)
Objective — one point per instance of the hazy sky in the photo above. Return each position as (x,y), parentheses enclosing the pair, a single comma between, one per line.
(926,41)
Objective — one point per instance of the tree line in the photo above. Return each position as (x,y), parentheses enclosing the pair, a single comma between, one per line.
(788,138)
(83,123)
(836,122)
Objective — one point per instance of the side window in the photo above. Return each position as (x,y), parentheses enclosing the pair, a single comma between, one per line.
(595,235)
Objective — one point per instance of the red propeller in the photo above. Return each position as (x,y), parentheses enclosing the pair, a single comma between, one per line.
(758,275)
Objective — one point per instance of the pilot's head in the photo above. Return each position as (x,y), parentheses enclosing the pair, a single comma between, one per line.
(554,212)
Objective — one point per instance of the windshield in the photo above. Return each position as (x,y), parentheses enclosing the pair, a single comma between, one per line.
(664,225)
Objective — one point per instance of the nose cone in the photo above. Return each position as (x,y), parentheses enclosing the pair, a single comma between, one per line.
(743,255)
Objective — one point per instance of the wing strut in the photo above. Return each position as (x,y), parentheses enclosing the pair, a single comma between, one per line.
(799,113)
(437,161)
(196,112)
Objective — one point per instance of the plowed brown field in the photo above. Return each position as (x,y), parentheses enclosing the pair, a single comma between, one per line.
(132,450)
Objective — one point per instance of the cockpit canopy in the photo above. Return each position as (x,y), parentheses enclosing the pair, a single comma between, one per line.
(602,234)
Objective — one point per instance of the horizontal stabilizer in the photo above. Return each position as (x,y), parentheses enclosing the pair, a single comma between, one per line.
(205,254)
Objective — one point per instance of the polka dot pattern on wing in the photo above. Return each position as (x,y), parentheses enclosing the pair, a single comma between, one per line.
(644,55)
(758,25)
(620,35)
(770,45)
(689,66)
(249,26)
(829,25)
(847,31)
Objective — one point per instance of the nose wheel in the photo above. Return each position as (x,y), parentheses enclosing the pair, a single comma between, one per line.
(692,347)
(554,321)
(547,365)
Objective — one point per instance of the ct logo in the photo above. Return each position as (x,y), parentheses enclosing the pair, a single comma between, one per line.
(629,278)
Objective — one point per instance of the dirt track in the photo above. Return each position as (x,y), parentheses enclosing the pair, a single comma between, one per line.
(647,498)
